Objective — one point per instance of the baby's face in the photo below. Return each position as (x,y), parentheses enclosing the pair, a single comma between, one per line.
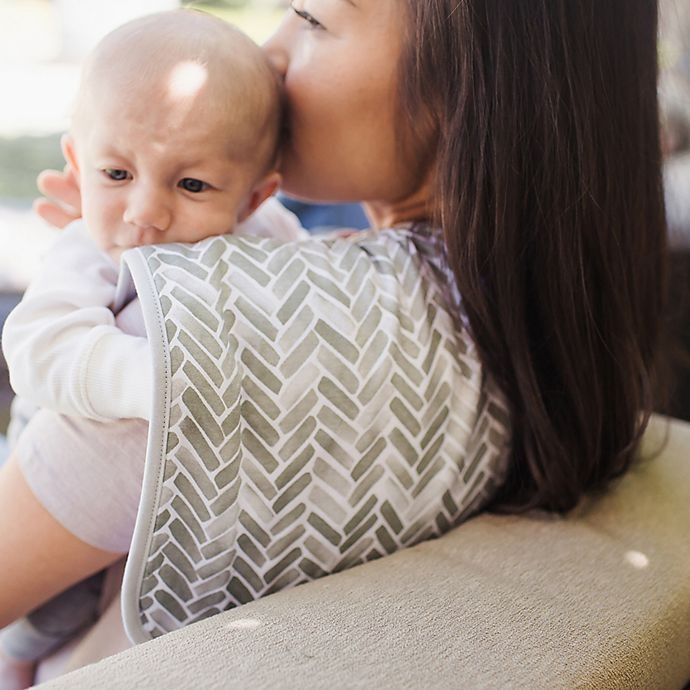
(151,174)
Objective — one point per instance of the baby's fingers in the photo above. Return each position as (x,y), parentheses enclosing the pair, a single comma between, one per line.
(61,187)
(62,202)
(54,214)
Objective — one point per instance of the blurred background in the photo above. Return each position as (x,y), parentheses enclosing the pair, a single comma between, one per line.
(42,44)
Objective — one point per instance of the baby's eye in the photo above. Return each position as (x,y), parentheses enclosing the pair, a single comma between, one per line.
(116,174)
(310,19)
(190,184)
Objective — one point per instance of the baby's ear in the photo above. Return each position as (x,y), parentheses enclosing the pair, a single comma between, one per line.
(266,187)
(70,154)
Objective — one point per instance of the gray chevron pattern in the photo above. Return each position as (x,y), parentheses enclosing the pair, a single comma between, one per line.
(324,408)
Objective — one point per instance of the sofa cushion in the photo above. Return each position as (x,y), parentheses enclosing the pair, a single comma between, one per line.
(599,599)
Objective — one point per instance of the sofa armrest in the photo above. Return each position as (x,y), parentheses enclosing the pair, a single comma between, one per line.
(599,599)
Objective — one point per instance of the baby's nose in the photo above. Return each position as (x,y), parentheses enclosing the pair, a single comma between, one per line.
(148,209)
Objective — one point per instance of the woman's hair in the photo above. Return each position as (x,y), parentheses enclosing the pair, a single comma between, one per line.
(549,192)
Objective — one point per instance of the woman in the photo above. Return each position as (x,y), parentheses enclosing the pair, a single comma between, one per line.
(526,131)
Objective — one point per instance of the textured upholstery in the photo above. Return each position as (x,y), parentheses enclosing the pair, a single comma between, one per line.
(600,599)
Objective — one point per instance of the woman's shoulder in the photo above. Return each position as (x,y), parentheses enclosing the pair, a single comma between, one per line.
(402,267)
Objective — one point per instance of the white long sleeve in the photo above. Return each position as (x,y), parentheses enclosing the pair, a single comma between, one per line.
(62,344)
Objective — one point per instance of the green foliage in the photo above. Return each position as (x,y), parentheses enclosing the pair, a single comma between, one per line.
(22,158)
(257,21)
(223,4)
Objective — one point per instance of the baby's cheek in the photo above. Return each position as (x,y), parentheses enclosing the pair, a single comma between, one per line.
(225,218)
(100,235)
(214,219)
(102,222)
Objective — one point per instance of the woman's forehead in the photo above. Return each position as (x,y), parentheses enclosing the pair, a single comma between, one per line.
(367,7)
(386,18)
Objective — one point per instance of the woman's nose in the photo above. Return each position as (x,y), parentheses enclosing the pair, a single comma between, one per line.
(276,47)
(278,60)
(148,208)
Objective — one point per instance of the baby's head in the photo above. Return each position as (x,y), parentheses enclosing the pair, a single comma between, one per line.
(175,132)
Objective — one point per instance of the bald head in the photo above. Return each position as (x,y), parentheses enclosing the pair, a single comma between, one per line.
(191,67)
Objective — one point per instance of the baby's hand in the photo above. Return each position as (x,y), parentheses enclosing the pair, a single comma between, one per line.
(62,202)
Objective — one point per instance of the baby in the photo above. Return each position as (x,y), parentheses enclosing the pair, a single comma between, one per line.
(174,138)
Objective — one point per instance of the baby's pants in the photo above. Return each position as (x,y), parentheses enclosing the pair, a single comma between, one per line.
(51,625)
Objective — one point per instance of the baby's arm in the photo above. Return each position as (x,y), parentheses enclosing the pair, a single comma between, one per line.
(63,348)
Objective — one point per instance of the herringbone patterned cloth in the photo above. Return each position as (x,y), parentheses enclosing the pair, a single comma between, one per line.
(321,404)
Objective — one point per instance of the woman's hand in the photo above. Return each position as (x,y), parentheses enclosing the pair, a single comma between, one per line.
(61,203)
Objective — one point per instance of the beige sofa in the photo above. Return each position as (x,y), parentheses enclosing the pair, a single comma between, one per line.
(600,599)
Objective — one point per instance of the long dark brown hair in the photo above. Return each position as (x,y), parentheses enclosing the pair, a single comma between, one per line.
(549,193)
